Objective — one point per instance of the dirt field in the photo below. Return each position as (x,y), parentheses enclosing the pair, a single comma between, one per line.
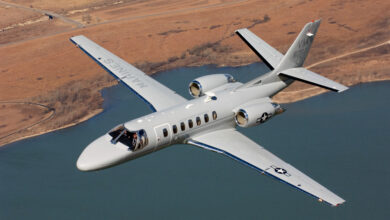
(13,16)
(16,116)
(38,59)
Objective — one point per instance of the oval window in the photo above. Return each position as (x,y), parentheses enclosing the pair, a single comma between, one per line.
(165,132)
(206,118)
(214,115)
(198,122)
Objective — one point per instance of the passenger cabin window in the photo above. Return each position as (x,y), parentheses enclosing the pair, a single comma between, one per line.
(198,122)
(174,128)
(206,118)
(214,115)
(182,126)
(165,132)
(190,123)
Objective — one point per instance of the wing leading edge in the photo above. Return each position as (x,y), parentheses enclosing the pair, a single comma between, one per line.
(237,146)
(158,96)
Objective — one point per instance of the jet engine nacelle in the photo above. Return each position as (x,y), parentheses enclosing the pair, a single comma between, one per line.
(255,114)
(199,86)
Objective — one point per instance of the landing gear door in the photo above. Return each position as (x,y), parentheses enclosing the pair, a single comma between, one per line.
(163,134)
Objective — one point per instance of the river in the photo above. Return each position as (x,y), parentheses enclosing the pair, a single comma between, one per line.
(340,140)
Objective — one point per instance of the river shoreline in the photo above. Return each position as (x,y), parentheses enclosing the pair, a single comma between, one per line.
(83,119)
(299,95)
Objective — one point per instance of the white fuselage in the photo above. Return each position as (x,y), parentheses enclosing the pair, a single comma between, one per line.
(228,98)
(209,120)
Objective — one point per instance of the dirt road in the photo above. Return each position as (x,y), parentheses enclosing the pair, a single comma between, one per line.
(43,12)
(52,113)
(347,54)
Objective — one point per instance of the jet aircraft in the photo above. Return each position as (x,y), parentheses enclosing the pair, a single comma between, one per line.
(209,120)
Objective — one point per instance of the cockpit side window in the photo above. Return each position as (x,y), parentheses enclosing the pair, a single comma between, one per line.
(114,133)
(133,139)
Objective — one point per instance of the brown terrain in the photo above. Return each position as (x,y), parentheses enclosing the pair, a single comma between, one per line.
(48,84)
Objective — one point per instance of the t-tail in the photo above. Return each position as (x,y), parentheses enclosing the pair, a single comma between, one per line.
(288,67)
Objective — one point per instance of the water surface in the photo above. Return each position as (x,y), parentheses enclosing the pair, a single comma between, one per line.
(340,140)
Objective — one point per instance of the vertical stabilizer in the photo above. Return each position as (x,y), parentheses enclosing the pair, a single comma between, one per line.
(297,53)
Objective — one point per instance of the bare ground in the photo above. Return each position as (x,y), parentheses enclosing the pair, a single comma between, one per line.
(17,116)
(40,64)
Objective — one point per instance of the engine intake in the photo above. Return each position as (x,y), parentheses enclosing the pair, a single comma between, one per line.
(255,114)
(199,86)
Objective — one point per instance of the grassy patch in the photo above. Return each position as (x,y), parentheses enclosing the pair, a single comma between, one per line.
(214,26)
(265,19)
(171,32)
(73,100)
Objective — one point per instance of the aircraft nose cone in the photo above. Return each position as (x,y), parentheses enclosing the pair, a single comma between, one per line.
(101,154)
(83,165)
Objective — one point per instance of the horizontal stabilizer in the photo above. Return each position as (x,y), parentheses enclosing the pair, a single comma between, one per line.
(310,77)
(269,55)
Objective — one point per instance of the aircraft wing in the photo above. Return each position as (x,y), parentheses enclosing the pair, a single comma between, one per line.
(269,55)
(237,146)
(158,96)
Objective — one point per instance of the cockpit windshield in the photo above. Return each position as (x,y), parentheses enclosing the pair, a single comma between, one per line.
(135,140)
